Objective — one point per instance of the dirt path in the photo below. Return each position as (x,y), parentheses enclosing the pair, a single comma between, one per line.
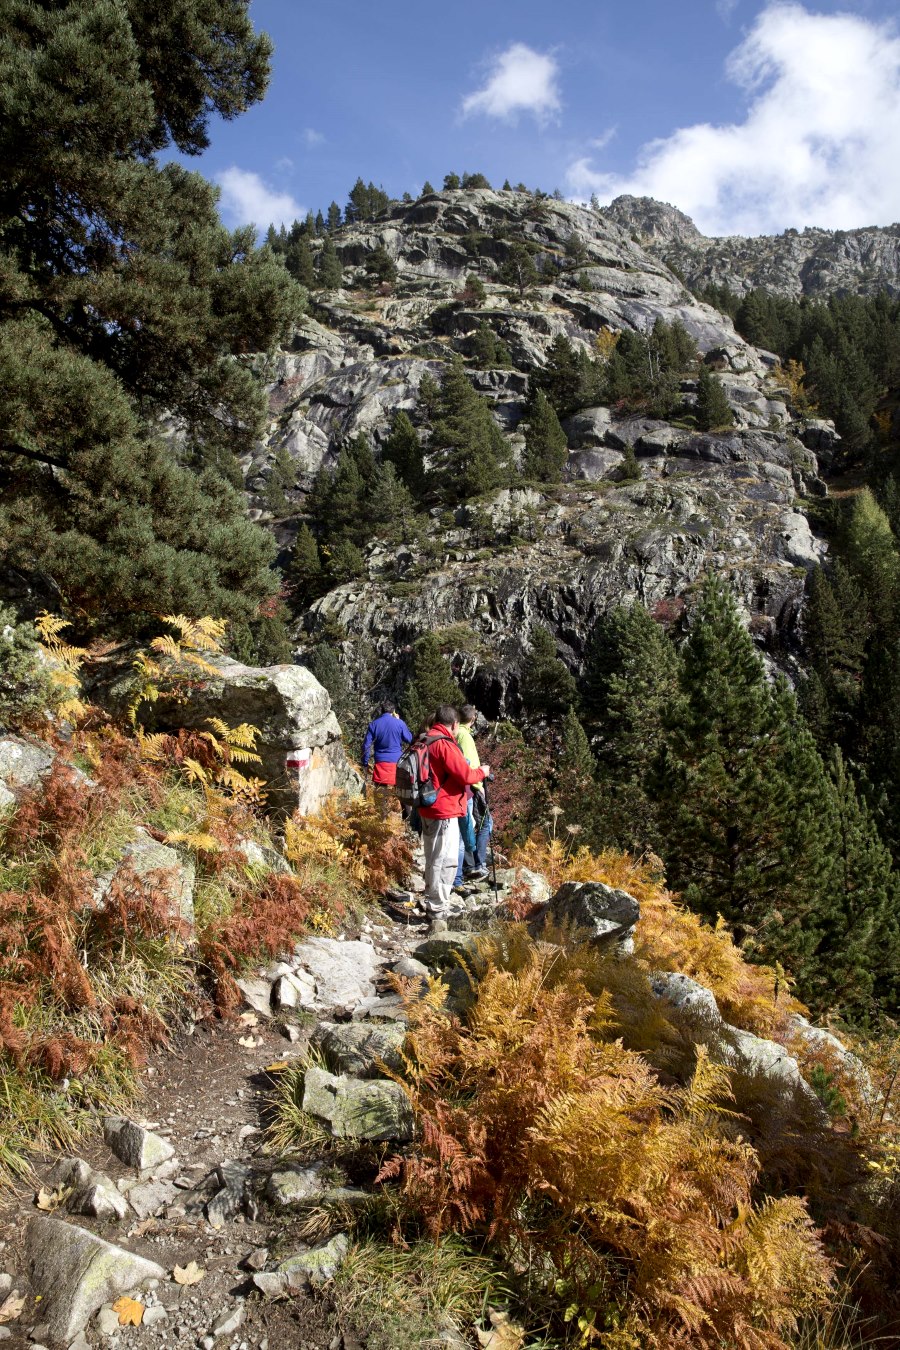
(206,1097)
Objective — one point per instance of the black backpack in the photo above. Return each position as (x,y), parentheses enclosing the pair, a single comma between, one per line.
(416,784)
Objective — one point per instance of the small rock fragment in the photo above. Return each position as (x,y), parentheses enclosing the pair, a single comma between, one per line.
(319,1264)
(294,1185)
(229,1321)
(136,1146)
(150,1197)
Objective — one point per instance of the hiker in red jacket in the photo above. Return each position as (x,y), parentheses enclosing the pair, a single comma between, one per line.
(440,822)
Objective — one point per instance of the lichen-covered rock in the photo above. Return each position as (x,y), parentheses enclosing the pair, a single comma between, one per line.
(447,950)
(23,763)
(292,711)
(603,915)
(76,1272)
(170,874)
(295,1185)
(319,1264)
(362,1049)
(358,1108)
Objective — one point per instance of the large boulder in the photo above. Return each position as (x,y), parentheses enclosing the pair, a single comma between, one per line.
(75,1273)
(363,1049)
(292,712)
(603,915)
(23,763)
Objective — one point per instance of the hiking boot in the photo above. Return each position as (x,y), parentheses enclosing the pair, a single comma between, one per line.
(479,874)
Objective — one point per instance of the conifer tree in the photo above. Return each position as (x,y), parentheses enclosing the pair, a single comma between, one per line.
(451,182)
(744,796)
(519,270)
(320,224)
(427,189)
(546,447)
(859,954)
(403,449)
(570,379)
(630,682)
(472,456)
(488,350)
(125,298)
(298,257)
(331,274)
(430,684)
(345,561)
(390,506)
(575,789)
(304,571)
(547,687)
(380,265)
(339,498)
(334,218)
(836,625)
(713,409)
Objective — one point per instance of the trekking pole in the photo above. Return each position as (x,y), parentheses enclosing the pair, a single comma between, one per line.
(487,807)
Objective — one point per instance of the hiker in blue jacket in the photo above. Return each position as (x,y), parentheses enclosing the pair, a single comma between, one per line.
(385,738)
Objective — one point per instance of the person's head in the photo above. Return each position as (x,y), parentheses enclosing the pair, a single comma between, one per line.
(386,707)
(468,714)
(447,716)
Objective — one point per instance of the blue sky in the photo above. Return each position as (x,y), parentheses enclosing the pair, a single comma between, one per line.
(752,117)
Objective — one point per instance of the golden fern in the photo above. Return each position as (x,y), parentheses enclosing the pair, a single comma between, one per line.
(65,662)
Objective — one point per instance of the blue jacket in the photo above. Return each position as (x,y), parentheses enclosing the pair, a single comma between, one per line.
(386,736)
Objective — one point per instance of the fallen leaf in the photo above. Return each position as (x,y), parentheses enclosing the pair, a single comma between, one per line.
(130,1311)
(189,1274)
(49,1200)
(503,1335)
(12,1307)
(277,1066)
(145,1226)
(249,1042)
(249,1019)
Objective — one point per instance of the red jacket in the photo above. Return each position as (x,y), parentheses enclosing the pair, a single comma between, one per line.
(452,775)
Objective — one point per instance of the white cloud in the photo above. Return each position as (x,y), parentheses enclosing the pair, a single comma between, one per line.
(246,200)
(725,9)
(602,141)
(312,138)
(519,80)
(816,146)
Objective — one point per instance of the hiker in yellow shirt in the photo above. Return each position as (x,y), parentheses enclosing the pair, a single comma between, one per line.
(476,825)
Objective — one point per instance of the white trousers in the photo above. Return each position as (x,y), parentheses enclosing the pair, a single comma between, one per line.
(440,839)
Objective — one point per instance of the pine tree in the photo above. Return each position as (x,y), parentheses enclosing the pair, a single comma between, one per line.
(331,274)
(575,789)
(298,257)
(323,661)
(334,218)
(836,626)
(403,449)
(488,350)
(570,379)
(744,795)
(546,447)
(859,954)
(713,409)
(304,571)
(629,683)
(430,684)
(345,561)
(519,270)
(320,224)
(338,501)
(547,687)
(117,275)
(451,182)
(427,189)
(471,455)
(391,509)
(380,265)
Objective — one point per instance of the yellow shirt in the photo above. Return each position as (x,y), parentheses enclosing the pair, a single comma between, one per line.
(466,742)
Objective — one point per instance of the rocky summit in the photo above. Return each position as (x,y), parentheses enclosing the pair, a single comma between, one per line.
(557,555)
(813,262)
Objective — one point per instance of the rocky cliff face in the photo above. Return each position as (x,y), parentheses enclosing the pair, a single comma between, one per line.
(558,556)
(810,262)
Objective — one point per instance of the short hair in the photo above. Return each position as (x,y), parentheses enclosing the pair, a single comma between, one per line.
(468,713)
(386,707)
(446,715)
